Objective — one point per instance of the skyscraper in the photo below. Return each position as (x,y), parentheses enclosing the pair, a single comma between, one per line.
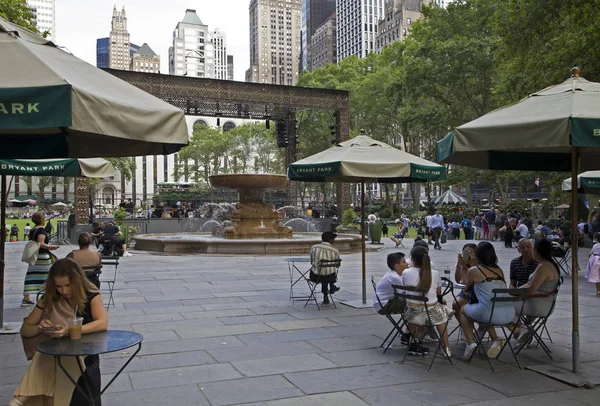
(323,45)
(44,12)
(119,52)
(219,40)
(314,14)
(145,60)
(357,26)
(396,21)
(275,37)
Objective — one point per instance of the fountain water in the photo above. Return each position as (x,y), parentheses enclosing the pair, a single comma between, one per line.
(253,218)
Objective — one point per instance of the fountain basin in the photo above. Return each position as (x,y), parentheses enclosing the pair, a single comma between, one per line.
(205,243)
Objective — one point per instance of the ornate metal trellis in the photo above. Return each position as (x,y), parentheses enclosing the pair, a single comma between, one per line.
(223,98)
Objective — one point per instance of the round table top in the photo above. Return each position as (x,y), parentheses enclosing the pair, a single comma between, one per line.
(91,344)
(297,259)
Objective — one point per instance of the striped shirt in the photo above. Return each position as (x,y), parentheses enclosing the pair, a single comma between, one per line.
(520,272)
(323,251)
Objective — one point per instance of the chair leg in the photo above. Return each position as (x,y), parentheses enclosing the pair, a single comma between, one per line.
(509,346)
(312,286)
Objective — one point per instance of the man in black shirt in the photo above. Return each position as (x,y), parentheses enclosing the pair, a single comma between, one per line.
(112,232)
(522,267)
(129,206)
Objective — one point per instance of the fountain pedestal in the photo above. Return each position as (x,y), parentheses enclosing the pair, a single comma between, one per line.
(253,218)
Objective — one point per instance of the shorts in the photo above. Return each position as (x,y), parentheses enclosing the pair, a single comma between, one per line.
(396,305)
(418,315)
(476,229)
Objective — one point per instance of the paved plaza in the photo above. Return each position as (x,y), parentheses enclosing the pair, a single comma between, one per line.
(220,330)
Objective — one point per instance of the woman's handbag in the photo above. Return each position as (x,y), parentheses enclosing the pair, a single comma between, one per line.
(31,251)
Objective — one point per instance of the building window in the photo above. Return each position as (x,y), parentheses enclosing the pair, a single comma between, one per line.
(228,126)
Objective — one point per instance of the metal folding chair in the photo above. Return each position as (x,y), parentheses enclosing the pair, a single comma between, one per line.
(312,285)
(418,295)
(512,295)
(538,327)
(397,329)
(92,272)
(111,261)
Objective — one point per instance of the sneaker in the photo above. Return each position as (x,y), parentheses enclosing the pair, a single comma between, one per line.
(469,351)
(448,352)
(333,290)
(417,349)
(524,337)
(405,338)
(495,348)
(325,300)
(127,254)
(26,303)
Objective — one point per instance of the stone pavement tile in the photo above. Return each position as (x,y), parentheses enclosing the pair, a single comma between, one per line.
(346,343)
(121,384)
(151,318)
(215,331)
(357,330)
(158,361)
(317,334)
(13,360)
(371,356)
(283,364)
(222,315)
(335,398)
(301,324)
(270,308)
(183,395)
(519,383)
(183,375)
(548,398)
(174,346)
(220,300)
(356,378)
(433,392)
(12,376)
(249,390)
(331,313)
(176,325)
(147,305)
(256,352)
(173,309)
(256,319)
(587,396)
(166,335)
(6,392)
(232,304)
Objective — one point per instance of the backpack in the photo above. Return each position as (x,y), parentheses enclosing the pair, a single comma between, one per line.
(30,253)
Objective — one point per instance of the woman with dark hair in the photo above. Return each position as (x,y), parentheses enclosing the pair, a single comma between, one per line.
(483,278)
(87,258)
(541,288)
(429,281)
(37,273)
(509,235)
(68,293)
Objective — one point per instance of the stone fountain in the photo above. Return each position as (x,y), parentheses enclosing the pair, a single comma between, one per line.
(253,218)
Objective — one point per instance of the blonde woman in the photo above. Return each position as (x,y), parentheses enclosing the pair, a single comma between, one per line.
(67,289)
(37,273)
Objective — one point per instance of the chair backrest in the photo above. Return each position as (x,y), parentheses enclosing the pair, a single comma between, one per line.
(325,263)
(449,286)
(94,268)
(508,295)
(410,293)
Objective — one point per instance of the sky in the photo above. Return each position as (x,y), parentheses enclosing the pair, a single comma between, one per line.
(80,22)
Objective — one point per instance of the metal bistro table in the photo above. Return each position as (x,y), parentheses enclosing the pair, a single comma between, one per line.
(294,279)
(91,344)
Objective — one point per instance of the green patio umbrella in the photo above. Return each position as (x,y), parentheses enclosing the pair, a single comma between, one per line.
(555,129)
(363,159)
(587,182)
(54,105)
(91,168)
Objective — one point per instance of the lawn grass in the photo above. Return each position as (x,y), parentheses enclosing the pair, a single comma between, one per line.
(412,232)
(21,224)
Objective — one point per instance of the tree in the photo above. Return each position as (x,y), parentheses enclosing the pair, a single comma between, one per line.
(18,12)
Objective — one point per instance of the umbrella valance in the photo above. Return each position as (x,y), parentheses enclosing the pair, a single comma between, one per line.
(449,197)
(563,116)
(88,167)
(586,180)
(54,105)
(365,159)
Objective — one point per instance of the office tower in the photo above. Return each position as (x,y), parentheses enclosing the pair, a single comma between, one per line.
(314,14)
(396,21)
(192,53)
(229,67)
(219,41)
(356,26)
(275,37)
(119,52)
(145,60)
(44,12)
(323,45)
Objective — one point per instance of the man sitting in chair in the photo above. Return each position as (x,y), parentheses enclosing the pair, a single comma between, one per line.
(327,276)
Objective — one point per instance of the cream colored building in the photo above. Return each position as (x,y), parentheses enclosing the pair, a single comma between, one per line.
(145,60)
(275,39)
(118,46)
(397,20)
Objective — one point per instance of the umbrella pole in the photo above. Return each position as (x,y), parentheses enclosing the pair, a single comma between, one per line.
(362,239)
(574,250)
(2,246)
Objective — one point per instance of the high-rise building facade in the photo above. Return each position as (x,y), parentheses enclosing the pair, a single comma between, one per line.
(275,38)
(314,14)
(145,60)
(397,20)
(119,56)
(356,29)
(323,45)
(44,12)
(196,51)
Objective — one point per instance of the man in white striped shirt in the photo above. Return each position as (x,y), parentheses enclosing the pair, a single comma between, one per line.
(327,275)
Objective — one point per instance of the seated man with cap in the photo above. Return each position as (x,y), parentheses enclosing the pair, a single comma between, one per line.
(326,275)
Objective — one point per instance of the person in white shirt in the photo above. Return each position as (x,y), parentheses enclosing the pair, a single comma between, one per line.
(423,277)
(384,301)
(428,229)
(327,275)
(523,230)
(437,225)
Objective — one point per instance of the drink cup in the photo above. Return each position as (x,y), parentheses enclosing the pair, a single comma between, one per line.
(75,324)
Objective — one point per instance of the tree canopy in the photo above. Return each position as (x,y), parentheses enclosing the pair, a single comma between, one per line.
(18,12)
